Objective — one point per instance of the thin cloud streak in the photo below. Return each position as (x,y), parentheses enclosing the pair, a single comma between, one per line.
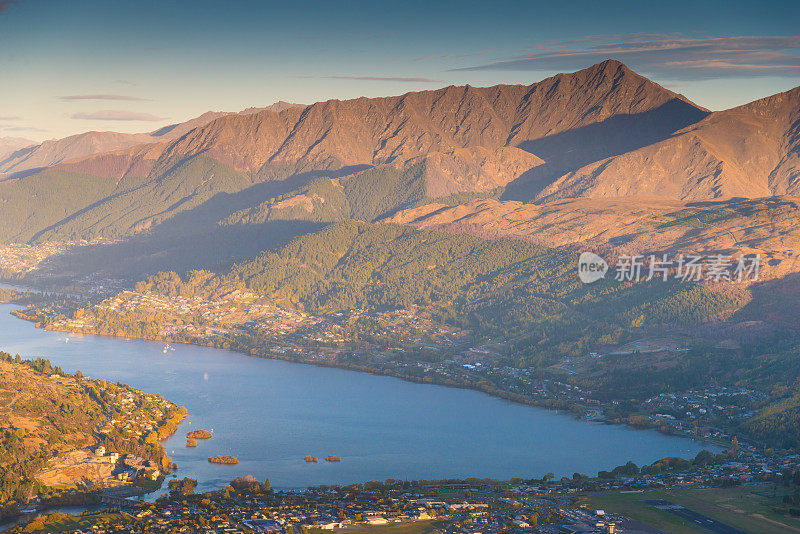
(383,79)
(23,129)
(102,97)
(403,79)
(451,55)
(13,118)
(552,43)
(116,115)
(674,58)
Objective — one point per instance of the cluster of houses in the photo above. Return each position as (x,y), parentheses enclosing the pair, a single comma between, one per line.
(18,259)
(731,403)
(131,467)
(141,414)
(480,508)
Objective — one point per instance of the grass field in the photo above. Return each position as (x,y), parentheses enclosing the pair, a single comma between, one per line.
(746,508)
(58,522)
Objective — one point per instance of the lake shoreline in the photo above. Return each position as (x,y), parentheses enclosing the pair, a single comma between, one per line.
(492,392)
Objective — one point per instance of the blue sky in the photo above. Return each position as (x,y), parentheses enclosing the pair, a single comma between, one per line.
(68,67)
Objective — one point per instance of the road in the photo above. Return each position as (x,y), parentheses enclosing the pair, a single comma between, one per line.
(690,515)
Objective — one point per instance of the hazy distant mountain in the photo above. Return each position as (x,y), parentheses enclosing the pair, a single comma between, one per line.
(9,145)
(174,131)
(56,151)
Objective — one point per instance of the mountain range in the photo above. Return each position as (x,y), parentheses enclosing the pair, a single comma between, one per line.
(498,159)
(17,162)
(748,151)
(9,145)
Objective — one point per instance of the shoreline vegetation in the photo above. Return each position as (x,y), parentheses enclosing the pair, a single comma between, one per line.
(223,460)
(256,352)
(507,318)
(668,466)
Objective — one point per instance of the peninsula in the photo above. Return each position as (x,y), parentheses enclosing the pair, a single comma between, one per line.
(65,437)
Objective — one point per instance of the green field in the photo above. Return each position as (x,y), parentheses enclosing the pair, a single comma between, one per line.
(746,508)
(58,522)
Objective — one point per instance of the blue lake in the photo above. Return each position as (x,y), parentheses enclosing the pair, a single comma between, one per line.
(271,414)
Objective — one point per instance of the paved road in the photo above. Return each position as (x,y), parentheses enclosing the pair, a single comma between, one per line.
(690,515)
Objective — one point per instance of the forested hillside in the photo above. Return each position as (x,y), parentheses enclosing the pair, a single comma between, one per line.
(521,305)
(766,226)
(497,288)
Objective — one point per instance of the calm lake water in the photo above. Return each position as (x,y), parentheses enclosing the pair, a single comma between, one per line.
(271,414)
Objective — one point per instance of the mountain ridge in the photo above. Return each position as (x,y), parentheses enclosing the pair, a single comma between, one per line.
(371,158)
(397,129)
(87,144)
(750,151)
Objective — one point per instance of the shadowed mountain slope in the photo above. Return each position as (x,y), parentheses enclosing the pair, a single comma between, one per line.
(381,154)
(633,225)
(401,129)
(748,151)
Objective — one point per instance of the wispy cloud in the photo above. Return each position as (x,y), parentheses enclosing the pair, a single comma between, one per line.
(553,43)
(384,79)
(22,129)
(102,97)
(666,56)
(11,118)
(338,36)
(112,115)
(402,79)
(452,55)
(358,35)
